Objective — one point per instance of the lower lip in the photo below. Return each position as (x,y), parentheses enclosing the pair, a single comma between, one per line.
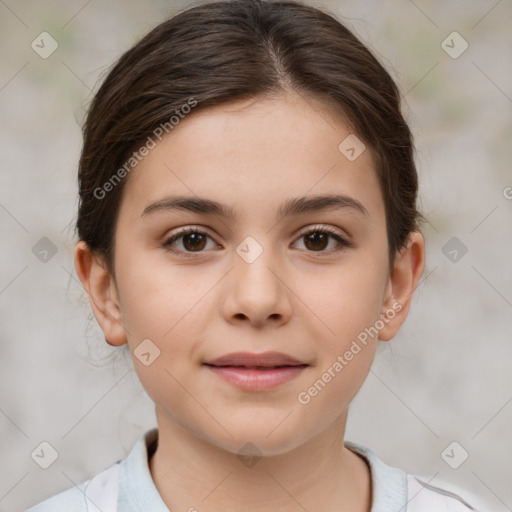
(252,379)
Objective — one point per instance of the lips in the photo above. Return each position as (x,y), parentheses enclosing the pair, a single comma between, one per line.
(250,360)
(256,372)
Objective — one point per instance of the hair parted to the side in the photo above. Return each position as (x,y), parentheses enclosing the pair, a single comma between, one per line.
(232,50)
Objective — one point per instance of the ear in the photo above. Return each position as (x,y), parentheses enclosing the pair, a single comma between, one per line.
(403,280)
(101,289)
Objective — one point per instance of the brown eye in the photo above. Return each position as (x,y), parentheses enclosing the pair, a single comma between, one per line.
(194,241)
(188,241)
(319,240)
(316,241)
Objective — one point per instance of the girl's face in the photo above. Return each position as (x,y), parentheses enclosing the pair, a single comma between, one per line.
(272,268)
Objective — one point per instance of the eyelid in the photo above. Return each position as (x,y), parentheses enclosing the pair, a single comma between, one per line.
(192,228)
(323,227)
(189,228)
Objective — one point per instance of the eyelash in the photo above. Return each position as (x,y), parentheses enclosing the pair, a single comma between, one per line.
(343,244)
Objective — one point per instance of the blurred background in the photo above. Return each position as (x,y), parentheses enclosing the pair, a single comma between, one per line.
(438,400)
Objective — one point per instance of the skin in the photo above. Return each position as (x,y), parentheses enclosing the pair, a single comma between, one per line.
(294,298)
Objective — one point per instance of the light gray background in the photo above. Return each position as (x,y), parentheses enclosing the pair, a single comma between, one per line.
(446,377)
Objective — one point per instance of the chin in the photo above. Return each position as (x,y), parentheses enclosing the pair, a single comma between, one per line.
(260,438)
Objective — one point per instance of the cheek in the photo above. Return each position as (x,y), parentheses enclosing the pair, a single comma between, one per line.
(166,305)
(347,307)
(171,306)
(347,302)
(344,299)
(159,297)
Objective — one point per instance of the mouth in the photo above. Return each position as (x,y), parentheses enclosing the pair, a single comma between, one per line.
(256,372)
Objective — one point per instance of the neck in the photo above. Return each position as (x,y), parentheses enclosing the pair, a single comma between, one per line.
(191,473)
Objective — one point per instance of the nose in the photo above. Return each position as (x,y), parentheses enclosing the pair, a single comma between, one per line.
(257,292)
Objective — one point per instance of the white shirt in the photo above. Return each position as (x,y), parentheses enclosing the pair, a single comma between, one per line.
(127,486)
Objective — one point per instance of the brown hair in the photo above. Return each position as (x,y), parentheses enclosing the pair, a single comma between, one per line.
(223,51)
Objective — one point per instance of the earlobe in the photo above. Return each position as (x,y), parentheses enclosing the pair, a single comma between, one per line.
(101,289)
(404,278)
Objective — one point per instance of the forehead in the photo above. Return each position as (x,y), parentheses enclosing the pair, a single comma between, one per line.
(252,154)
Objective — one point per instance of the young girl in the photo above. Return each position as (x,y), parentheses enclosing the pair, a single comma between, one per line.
(248,227)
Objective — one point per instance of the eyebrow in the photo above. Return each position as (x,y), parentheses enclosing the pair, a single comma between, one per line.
(290,207)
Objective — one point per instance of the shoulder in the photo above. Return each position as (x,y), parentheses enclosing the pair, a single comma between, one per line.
(393,489)
(423,497)
(100,493)
(96,494)
(66,501)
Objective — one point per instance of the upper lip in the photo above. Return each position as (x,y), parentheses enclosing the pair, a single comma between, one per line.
(265,359)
